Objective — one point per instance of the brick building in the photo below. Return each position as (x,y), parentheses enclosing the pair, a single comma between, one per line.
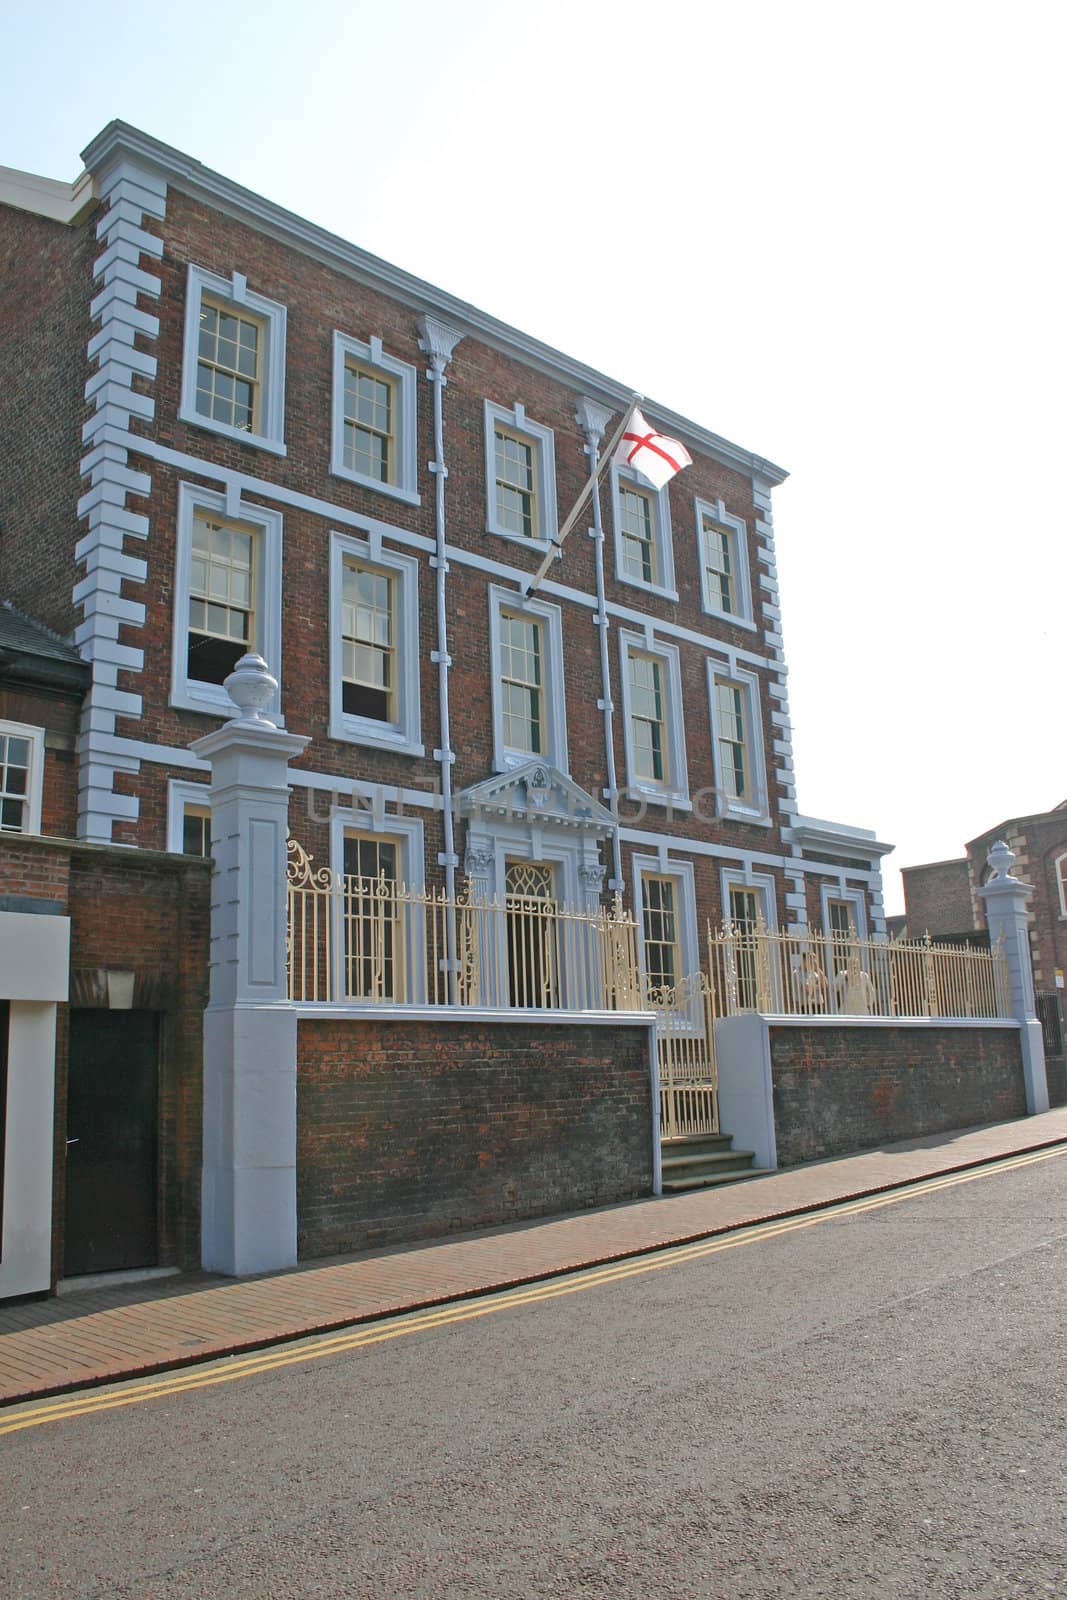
(226,430)
(941,898)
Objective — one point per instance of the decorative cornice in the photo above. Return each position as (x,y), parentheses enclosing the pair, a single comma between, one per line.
(119,140)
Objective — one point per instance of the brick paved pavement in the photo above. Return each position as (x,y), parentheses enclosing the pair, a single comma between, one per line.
(101,1335)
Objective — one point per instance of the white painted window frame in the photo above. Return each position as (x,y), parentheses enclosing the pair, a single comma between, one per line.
(403,379)
(234,291)
(762,882)
(553,680)
(189,694)
(855,898)
(405,735)
(1059,867)
(544,440)
(717,512)
(410,834)
(758,812)
(182,793)
(34,797)
(688,939)
(661,531)
(675,793)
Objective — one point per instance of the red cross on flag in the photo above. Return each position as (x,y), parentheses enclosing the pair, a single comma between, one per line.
(652,454)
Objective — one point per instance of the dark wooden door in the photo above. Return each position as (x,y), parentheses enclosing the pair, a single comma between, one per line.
(112,1141)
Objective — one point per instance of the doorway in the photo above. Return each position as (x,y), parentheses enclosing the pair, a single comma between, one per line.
(112,1142)
(532,935)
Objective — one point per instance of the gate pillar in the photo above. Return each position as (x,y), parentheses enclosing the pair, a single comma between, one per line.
(1005,900)
(248,1219)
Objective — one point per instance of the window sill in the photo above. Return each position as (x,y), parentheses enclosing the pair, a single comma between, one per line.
(212,700)
(508,760)
(541,545)
(669,799)
(258,441)
(352,730)
(648,588)
(755,819)
(395,491)
(732,617)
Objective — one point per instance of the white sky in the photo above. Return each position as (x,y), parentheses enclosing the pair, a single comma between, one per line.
(831,232)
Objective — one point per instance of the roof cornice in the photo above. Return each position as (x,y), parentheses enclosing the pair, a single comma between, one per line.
(119,140)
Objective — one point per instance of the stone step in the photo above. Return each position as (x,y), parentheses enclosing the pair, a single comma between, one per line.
(715,1161)
(689,1143)
(708,1180)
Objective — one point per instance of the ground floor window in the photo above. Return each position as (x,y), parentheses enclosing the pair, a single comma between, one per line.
(374,946)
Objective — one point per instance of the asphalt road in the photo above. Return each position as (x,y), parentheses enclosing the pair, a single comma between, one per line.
(866,1405)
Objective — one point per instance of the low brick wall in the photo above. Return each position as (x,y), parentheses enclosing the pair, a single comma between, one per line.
(838,1089)
(409,1129)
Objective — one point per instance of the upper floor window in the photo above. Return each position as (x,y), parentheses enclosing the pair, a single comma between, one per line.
(643,551)
(522,682)
(1061,882)
(228,368)
(21,777)
(529,709)
(233,376)
(520,474)
(648,719)
(737,744)
(227,596)
(374,418)
(374,631)
(222,617)
(653,726)
(636,534)
(723,563)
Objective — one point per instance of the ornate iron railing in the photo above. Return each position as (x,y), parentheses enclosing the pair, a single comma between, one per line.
(805,973)
(377,941)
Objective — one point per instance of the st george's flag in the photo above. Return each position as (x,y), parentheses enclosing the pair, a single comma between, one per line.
(656,457)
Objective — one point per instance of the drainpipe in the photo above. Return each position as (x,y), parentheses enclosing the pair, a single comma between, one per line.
(438,341)
(593,419)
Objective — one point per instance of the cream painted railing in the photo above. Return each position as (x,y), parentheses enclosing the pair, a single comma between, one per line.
(804,973)
(366,940)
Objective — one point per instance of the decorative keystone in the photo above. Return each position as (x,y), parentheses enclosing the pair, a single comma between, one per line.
(1001,858)
(251,687)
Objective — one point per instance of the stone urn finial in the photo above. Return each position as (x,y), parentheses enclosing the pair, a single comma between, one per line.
(1000,859)
(251,687)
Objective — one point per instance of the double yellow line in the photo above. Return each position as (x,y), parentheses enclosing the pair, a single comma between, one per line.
(316,1346)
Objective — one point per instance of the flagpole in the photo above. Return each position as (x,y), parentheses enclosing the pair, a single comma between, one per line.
(591,483)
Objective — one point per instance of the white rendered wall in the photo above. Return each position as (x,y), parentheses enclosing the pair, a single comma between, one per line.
(26,1260)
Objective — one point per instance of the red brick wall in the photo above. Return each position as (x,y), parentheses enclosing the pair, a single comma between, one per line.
(838,1089)
(45,289)
(411,1129)
(320,298)
(937,898)
(58,715)
(150,915)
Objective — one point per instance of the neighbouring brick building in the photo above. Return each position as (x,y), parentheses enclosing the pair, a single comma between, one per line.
(941,898)
(225,430)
